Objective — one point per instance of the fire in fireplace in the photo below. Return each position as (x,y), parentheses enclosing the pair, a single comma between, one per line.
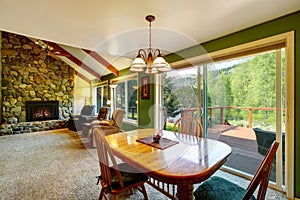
(41,110)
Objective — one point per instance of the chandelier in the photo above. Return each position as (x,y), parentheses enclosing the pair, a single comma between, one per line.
(152,63)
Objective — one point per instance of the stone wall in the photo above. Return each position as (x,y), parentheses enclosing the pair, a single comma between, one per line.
(30,74)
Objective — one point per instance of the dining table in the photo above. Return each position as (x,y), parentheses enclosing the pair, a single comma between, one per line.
(178,159)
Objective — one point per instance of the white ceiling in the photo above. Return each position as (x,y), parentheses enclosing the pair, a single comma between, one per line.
(118,28)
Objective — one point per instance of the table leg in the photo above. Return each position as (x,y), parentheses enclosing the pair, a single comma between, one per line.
(185,192)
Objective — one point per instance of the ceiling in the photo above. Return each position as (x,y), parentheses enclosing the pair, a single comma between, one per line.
(115,30)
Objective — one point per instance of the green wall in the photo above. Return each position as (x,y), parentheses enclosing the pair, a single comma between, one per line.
(145,106)
(283,24)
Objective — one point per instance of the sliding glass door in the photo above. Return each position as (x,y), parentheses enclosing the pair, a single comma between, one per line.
(245,108)
(243,96)
(240,101)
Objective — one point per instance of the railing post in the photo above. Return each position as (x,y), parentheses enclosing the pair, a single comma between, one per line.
(221,116)
(250,117)
(210,117)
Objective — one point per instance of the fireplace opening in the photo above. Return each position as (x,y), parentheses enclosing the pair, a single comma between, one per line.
(41,110)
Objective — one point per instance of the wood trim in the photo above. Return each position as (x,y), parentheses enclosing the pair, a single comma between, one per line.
(102,61)
(75,60)
(290,123)
(123,78)
(100,83)
(242,50)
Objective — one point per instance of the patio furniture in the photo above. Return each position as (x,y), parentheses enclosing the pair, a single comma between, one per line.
(220,188)
(102,114)
(265,139)
(116,178)
(188,125)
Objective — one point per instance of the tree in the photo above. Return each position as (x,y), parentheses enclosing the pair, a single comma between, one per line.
(170,100)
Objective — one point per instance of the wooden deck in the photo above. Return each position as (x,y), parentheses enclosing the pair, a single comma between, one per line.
(245,156)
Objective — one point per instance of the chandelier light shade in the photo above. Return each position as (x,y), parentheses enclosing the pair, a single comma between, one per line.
(150,61)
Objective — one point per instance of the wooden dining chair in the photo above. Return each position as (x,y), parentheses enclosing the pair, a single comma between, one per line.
(188,125)
(116,178)
(222,189)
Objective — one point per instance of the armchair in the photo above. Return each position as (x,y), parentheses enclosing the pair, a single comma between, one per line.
(107,126)
(102,114)
(76,121)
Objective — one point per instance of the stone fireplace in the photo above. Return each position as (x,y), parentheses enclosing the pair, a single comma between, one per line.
(35,86)
(37,90)
(41,110)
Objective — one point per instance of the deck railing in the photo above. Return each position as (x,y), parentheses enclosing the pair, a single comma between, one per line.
(191,111)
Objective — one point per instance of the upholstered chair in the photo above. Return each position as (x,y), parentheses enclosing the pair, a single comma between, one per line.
(107,126)
(76,121)
(102,115)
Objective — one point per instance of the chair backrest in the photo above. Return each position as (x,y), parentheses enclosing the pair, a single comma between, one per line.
(262,174)
(87,110)
(106,158)
(102,113)
(188,125)
(118,116)
(265,139)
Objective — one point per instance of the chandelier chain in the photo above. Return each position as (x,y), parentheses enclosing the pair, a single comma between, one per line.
(150,38)
(153,62)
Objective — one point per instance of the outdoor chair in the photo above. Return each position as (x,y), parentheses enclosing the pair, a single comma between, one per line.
(107,126)
(116,178)
(102,114)
(217,188)
(188,125)
(265,139)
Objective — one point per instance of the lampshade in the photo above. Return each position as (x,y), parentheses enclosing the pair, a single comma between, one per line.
(159,62)
(138,62)
(166,68)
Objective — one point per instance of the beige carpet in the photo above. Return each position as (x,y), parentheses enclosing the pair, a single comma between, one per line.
(51,165)
(57,165)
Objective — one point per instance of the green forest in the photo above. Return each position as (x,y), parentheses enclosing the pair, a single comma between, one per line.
(250,83)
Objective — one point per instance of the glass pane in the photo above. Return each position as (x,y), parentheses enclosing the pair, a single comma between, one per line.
(98,98)
(101,97)
(241,100)
(132,99)
(240,95)
(120,95)
(180,93)
(105,96)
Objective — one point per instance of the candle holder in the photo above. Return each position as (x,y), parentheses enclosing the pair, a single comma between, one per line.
(156,137)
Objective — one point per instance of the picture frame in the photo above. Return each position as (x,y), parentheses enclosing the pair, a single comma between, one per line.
(145,91)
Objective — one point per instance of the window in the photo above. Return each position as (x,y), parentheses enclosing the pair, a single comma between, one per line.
(100,96)
(125,95)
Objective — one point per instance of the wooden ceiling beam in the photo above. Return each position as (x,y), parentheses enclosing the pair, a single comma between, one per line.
(82,77)
(75,60)
(102,61)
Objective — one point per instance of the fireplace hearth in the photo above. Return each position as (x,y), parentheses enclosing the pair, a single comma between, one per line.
(42,110)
